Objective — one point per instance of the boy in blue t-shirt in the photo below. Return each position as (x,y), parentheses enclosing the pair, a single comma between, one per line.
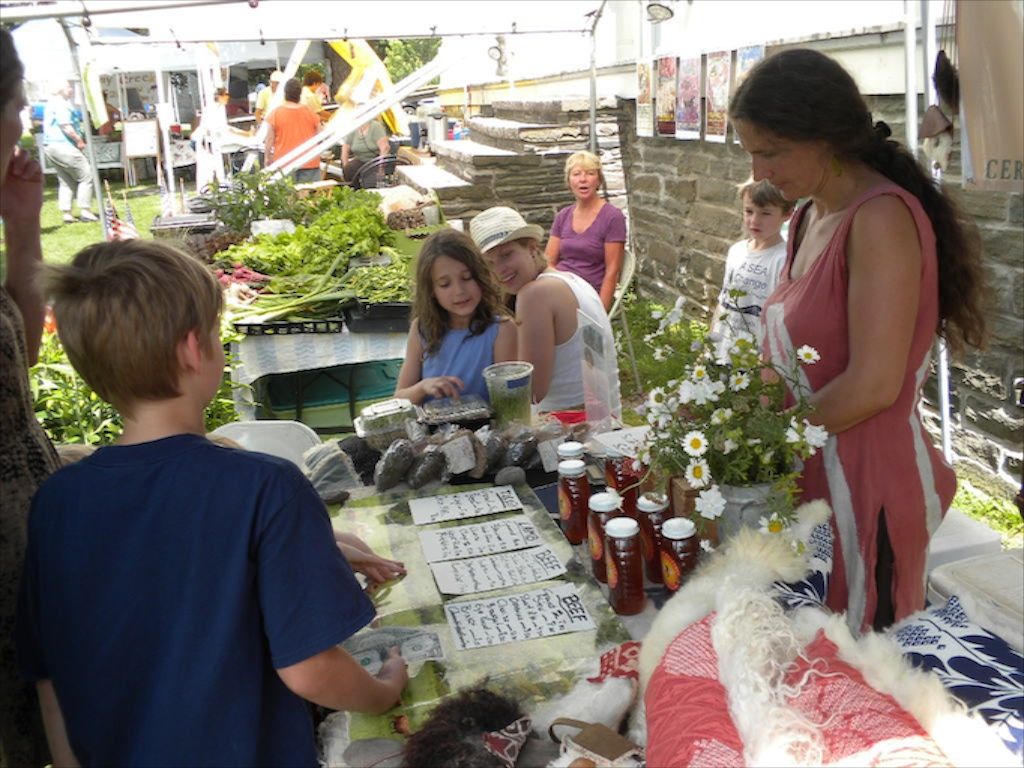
(180,599)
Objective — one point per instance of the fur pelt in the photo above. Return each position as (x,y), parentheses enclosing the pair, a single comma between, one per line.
(606,702)
(748,560)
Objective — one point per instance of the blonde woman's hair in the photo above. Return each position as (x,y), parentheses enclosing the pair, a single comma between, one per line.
(588,161)
(123,307)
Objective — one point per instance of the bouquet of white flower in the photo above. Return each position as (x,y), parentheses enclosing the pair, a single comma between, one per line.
(726,422)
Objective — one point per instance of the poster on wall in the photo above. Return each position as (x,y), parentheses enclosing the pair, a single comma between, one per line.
(666,99)
(716,120)
(644,100)
(746,58)
(688,99)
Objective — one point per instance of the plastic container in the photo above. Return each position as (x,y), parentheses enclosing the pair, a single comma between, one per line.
(573,499)
(510,390)
(570,449)
(603,507)
(387,317)
(447,410)
(624,566)
(653,512)
(381,424)
(679,551)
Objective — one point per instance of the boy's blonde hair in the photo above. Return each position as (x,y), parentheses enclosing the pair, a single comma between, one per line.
(588,161)
(763,193)
(123,307)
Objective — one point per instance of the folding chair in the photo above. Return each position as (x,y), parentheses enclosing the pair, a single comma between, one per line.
(626,275)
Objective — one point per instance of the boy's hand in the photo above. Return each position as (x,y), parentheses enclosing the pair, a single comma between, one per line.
(364,560)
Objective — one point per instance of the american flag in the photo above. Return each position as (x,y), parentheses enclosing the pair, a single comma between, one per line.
(119,229)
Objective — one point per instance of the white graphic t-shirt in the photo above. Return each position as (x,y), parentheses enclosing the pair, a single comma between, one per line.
(756,273)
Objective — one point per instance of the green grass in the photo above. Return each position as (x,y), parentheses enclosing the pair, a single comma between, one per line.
(1001,515)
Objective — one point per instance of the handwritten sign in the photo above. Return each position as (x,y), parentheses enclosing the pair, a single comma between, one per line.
(482,574)
(489,538)
(141,138)
(523,616)
(458,506)
(627,442)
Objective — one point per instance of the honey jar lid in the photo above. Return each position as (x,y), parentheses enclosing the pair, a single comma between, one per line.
(678,528)
(621,527)
(570,449)
(605,502)
(652,502)
(572,468)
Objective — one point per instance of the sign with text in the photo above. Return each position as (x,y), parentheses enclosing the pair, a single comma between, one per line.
(488,538)
(509,569)
(458,506)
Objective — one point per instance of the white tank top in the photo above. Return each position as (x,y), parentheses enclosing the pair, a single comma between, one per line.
(566,387)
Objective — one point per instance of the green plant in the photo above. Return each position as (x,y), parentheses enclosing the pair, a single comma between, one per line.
(70,412)
(252,196)
(726,420)
(406,56)
(663,343)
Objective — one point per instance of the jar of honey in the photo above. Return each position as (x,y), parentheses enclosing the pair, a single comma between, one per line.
(679,551)
(624,566)
(603,507)
(653,511)
(623,475)
(573,499)
(570,449)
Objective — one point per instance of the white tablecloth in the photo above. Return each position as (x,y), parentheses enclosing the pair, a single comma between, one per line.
(260,356)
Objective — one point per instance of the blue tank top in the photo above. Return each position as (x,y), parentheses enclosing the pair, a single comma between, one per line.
(464,355)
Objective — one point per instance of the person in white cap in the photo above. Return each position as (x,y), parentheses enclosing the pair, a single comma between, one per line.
(265,96)
(546,301)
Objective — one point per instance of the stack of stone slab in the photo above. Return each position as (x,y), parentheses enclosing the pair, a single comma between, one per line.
(516,157)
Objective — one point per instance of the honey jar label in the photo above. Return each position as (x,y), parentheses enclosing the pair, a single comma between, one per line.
(670,572)
(564,504)
(612,571)
(596,542)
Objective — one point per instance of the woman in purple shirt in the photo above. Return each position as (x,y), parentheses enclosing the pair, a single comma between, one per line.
(588,237)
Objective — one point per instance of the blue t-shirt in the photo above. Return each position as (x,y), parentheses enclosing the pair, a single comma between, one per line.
(164,583)
(57,112)
(464,355)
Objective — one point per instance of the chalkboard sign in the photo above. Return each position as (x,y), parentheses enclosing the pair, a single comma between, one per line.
(141,138)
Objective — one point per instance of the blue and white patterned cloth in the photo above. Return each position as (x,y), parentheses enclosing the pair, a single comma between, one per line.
(974,665)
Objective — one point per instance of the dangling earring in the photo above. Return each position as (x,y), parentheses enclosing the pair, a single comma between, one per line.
(837,169)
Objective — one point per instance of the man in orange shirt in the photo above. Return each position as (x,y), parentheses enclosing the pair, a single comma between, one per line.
(290,125)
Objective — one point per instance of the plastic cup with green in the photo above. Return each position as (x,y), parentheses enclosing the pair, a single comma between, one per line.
(510,388)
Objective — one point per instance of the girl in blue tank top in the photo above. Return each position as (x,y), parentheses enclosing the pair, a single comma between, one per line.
(459,325)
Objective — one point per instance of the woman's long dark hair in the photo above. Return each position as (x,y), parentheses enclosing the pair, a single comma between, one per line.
(433,319)
(803,95)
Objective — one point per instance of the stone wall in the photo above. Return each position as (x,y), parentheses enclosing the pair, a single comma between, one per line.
(684,214)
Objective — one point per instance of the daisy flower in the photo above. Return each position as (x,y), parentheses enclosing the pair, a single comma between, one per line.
(721,415)
(728,446)
(808,355)
(700,373)
(770,524)
(739,381)
(698,473)
(695,444)
(710,503)
(705,545)
(815,436)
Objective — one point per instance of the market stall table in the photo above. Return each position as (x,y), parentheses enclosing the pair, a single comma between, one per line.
(260,356)
(531,671)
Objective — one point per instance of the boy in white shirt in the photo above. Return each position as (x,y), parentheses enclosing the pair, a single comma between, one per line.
(753,266)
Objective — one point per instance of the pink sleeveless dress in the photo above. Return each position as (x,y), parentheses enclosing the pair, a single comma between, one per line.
(885,462)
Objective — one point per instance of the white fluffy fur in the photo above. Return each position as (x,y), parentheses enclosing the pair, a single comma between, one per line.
(749,559)
(606,702)
(334,739)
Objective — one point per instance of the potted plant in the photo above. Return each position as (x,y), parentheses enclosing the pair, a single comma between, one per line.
(728,427)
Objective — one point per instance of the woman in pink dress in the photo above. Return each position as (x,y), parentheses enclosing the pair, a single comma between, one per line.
(879,262)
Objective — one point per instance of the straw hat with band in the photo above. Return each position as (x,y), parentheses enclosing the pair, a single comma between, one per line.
(499,225)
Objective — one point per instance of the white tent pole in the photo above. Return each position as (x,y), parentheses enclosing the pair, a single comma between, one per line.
(928,21)
(97,189)
(165,129)
(339,126)
(910,51)
(593,78)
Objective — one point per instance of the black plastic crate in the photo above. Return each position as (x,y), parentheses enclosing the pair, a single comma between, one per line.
(389,317)
(287,327)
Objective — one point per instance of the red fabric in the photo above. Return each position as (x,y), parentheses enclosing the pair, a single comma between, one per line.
(293,124)
(620,661)
(570,417)
(688,720)
(885,462)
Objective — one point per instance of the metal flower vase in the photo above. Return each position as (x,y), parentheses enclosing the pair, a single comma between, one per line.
(745,505)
